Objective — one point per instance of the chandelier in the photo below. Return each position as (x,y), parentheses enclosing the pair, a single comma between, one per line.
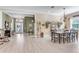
(64,17)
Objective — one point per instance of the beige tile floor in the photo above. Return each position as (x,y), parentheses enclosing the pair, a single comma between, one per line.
(22,43)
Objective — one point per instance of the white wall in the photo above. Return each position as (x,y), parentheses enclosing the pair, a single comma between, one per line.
(0,19)
(12,25)
(1,24)
(3,17)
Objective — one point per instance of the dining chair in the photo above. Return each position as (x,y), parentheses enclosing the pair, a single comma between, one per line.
(61,37)
(72,35)
(76,35)
(56,37)
(52,35)
(66,36)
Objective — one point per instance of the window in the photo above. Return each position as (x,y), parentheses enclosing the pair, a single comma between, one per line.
(75,23)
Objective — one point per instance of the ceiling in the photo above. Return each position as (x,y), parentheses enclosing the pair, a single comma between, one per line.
(22,11)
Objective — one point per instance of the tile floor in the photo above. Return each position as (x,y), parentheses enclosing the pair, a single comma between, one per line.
(22,43)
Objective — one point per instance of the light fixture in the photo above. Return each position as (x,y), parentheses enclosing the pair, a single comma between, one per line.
(52,6)
(64,17)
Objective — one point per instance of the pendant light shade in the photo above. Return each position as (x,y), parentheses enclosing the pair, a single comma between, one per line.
(64,15)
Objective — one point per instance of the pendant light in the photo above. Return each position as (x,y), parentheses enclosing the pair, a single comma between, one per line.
(64,15)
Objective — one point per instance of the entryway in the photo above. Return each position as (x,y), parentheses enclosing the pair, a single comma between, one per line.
(19,26)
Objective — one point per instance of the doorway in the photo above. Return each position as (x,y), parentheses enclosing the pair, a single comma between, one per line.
(19,26)
(29,25)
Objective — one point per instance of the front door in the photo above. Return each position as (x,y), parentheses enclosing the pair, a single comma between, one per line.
(19,27)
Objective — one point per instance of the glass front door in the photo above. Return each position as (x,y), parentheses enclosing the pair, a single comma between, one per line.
(19,27)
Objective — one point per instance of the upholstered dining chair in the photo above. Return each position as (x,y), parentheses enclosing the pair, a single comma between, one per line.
(73,35)
(56,37)
(66,37)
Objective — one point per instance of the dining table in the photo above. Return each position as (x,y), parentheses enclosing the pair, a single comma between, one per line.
(62,35)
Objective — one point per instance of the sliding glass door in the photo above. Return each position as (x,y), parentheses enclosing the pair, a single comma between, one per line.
(75,23)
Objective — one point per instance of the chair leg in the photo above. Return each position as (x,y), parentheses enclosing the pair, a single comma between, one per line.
(70,40)
(54,40)
(67,40)
(77,39)
(73,39)
(63,40)
(51,39)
